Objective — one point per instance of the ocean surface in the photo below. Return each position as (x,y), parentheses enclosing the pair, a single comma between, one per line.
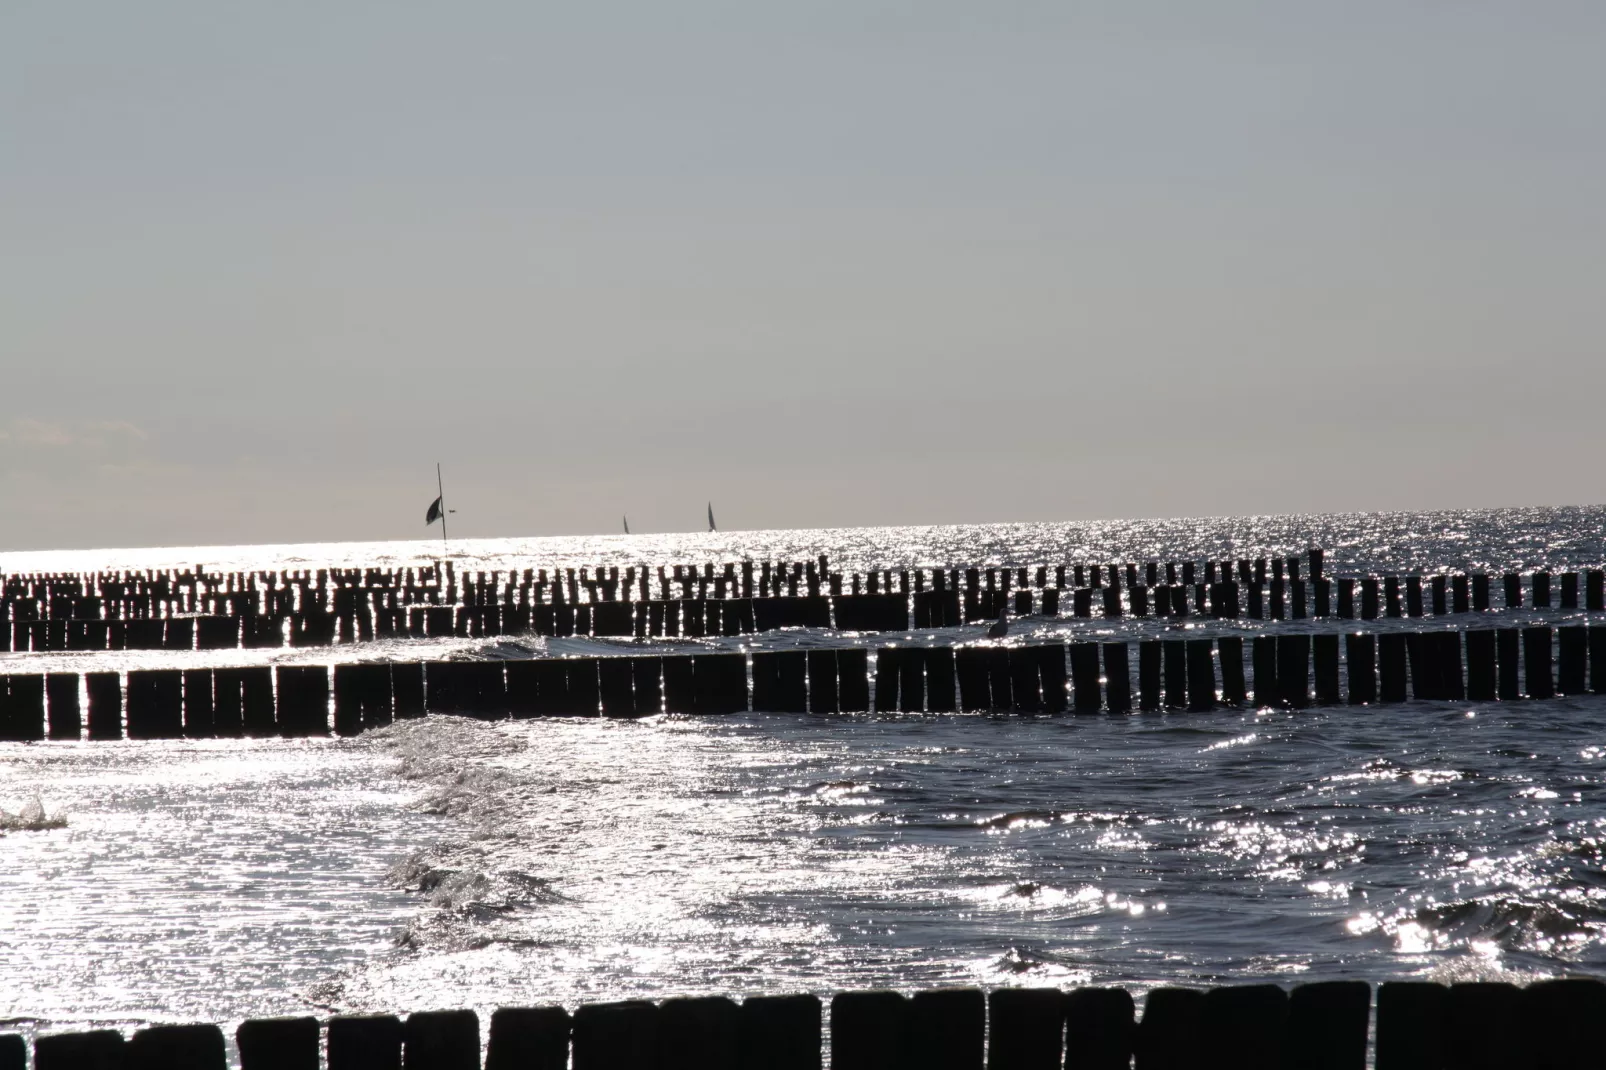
(448,862)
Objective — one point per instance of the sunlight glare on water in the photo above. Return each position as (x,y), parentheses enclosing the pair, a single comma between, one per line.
(448,862)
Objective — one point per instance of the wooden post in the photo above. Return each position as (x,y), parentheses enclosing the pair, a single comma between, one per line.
(1169,1037)
(778,1032)
(1201,676)
(1360,653)
(176,1047)
(1410,1025)
(1242,1026)
(1562,1018)
(442,1040)
(1025,1029)
(614,1036)
(1483,1026)
(1507,644)
(62,709)
(1481,675)
(1513,591)
(1391,667)
(1176,673)
(1569,590)
(1099,1029)
(1324,647)
(1230,649)
(867,1030)
(698,1033)
(364,1042)
(1572,651)
(1293,670)
(1149,675)
(1085,677)
(524,1038)
(1265,671)
(1117,678)
(1536,643)
(946,1029)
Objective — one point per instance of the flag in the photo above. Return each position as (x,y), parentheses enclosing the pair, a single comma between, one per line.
(434,513)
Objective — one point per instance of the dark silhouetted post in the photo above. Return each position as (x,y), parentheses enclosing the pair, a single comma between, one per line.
(778,1032)
(1201,676)
(365,1042)
(867,1031)
(1149,675)
(1508,643)
(1176,673)
(1117,678)
(947,1028)
(175,1047)
(615,1036)
(1324,649)
(280,1044)
(61,691)
(1265,671)
(1099,1029)
(1170,1035)
(1410,1025)
(1230,648)
(1360,652)
(1391,667)
(528,1038)
(1572,644)
(1242,1026)
(1536,644)
(441,1040)
(1481,675)
(1025,1029)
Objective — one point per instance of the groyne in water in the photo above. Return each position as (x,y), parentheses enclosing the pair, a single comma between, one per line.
(1290,670)
(193,609)
(1550,1025)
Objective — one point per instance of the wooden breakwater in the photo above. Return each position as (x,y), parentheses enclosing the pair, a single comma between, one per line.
(196,610)
(1549,1025)
(1291,670)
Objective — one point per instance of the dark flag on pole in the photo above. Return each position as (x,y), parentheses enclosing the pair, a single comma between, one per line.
(434,513)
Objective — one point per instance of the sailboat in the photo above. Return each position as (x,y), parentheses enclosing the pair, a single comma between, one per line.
(711,526)
(626,519)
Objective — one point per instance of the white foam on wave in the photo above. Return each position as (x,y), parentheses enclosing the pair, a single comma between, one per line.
(31,818)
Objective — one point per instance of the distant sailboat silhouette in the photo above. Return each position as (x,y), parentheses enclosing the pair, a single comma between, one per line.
(711,526)
(626,519)
(437,508)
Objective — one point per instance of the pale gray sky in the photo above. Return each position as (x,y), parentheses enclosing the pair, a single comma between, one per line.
(261,265)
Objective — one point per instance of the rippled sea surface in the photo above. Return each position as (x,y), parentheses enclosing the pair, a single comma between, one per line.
(448,862)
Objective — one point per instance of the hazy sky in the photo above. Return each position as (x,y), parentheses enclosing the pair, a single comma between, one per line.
(827,264)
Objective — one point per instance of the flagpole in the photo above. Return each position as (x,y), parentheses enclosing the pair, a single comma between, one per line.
(440,487)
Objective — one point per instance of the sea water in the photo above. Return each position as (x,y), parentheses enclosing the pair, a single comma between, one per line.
(448,862)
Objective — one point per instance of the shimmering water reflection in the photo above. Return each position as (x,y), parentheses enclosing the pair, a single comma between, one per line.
(450,862)
(584,860)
